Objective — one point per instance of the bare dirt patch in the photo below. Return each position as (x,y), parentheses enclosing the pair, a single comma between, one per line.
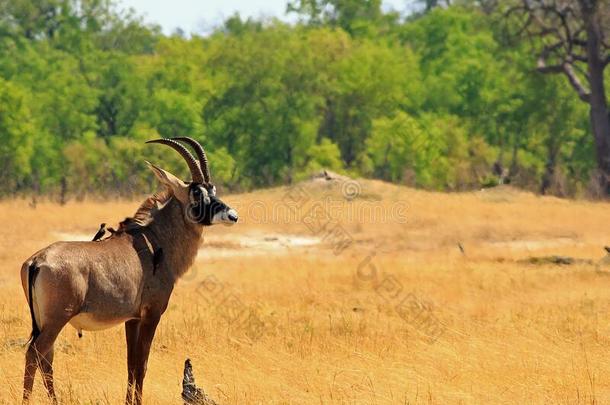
(255,244)
(250,244)
(534,244)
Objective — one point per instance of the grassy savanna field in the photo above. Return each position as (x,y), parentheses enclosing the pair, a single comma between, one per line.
(329,328)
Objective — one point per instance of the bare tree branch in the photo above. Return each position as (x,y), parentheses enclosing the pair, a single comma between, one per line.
(560,24)
(583,94)
(543,68)
(567,69)
(571,37)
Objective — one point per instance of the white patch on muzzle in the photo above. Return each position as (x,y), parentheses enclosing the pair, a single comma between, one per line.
(228,217)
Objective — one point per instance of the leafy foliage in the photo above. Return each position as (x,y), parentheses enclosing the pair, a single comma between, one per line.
(433,100)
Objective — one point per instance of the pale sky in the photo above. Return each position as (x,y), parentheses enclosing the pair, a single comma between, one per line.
(200,15)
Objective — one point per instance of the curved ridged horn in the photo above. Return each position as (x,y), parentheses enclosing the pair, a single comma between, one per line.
(203,159)
(196,173)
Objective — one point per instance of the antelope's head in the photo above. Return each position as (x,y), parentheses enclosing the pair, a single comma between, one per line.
(198,197)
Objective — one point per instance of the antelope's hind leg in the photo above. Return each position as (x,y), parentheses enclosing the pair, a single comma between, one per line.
(46,369)
(40,355)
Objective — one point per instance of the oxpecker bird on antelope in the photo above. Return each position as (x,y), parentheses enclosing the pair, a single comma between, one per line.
(127,277)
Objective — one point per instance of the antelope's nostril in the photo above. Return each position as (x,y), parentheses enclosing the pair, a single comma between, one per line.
(232,215)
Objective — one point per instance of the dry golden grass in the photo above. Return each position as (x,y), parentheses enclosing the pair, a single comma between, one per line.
(511,332)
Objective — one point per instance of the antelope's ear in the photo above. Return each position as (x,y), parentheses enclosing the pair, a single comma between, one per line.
(178,187)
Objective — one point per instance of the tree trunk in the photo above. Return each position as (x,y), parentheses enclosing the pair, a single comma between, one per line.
(599,114)
(600,124)
(550,167)
(63,191)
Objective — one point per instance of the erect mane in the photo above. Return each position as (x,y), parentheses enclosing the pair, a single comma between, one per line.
(144,214)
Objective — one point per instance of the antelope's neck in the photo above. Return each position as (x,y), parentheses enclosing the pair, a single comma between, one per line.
(179,239)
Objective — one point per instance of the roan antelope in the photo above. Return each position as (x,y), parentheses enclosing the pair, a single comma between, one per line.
(125,278)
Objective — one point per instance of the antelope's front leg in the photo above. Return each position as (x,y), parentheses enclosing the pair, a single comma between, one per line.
(148,325)
(131,335)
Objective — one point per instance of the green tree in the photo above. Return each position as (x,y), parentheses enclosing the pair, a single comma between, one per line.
(366,81)
(174,114)
(427,152)
(264,109)
(122,94)
(17,130)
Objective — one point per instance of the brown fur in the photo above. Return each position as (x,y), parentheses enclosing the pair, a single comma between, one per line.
(145,213)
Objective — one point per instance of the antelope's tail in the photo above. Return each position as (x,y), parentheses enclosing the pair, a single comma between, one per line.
(32,273)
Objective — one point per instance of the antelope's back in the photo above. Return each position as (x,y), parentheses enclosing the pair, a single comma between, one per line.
(103,277)
(102,266)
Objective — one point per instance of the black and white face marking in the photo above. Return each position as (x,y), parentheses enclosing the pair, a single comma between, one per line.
(207,209)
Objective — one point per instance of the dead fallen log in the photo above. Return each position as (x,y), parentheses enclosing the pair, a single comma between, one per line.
(327,175)
(556,259)
(568,260)
(191,394)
